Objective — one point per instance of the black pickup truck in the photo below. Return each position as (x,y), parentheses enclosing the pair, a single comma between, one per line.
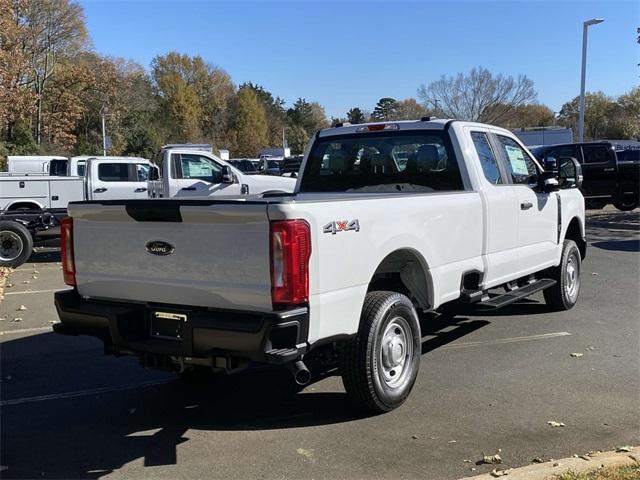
(609,176)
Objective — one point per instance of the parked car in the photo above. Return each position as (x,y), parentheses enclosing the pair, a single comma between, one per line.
(244,165)
(338,269)
(34,205)
(188,172)
(606,180)
(291,165)
(270,166)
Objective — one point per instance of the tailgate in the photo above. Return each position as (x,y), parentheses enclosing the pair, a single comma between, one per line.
(219,252)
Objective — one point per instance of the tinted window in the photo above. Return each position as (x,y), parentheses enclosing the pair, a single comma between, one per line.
(200,167)
(520,165)
(113,172)
(561,152)
(595,153)
(487,158)
(380,162)
(629,155)
(58,168)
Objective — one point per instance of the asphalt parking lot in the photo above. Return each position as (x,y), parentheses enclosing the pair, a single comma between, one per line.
(487,381)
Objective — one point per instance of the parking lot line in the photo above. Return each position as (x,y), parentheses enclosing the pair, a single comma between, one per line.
(84,393)
(25,330)
(36,291)
(498,341)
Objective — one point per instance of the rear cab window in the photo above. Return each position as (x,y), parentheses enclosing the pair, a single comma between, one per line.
(380,162)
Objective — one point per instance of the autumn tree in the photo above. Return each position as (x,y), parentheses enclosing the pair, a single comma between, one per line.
(274,109)
(409,109)
(478,96)
(54,31)
(16,101)
(249,124)
(598,114)
(303,120)
(529,115)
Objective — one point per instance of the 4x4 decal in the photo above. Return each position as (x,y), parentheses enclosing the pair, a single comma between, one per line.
(341,226)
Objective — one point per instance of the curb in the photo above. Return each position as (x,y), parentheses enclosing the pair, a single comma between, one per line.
(547,470)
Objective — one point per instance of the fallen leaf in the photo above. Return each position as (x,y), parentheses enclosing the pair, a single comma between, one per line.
(466,461)
(585,457)
(307,454)
(53,321)
(492,458)
(26,282)
(557,464)
(595,273)
(577,355)
(9,285)
(537,460)
(452,441)
(17,319)
(415,437)
(36,272)
(553,423)
(500,473)
(35,277)
(625,448)
(21,308)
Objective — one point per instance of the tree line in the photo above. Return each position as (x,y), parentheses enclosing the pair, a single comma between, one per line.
(55,90)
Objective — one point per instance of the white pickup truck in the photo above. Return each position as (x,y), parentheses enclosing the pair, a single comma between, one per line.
(191,171)
(344,264)
(33,204)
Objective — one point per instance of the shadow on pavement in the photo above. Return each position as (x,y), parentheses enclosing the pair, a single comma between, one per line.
(89,436)
(619,245)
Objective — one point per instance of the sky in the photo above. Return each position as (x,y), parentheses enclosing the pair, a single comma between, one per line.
(352,53)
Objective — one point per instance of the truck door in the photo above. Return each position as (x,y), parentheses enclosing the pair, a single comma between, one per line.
(501,211)
(599,170)
(110,180)
(141,175)
(197,175)
(537,210)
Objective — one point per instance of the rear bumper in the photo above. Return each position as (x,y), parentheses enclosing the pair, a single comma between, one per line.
(275,338)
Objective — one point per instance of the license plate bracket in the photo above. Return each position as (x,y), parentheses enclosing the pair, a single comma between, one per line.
(168,325)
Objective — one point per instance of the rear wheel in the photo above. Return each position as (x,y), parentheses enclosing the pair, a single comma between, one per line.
(626,205)
(380,364)
(16,244)
(564,294)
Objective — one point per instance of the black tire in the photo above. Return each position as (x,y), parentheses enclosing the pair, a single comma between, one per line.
(564,294)
(626,205)
(368,371)
(16,244)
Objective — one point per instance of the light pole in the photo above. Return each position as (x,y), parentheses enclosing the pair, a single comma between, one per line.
(585,26)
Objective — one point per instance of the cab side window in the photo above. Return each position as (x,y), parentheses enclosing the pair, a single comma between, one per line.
(201,168)
(595,153)
(114,172)
(520,165)
(487,158)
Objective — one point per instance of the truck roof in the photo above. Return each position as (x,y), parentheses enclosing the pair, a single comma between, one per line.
(425,123)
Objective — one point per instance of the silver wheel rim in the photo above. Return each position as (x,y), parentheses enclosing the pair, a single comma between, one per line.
(396,352)
(10,246)
(572,277)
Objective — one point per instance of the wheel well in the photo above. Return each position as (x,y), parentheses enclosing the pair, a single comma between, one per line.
(23,206)
(404,271)
(575,233)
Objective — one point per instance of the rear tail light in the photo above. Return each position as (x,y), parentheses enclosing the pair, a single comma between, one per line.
(290,252)
(66,249)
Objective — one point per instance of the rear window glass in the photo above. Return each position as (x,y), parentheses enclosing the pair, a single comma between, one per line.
(382,162)
(58,168)
(113,172)
(82,166)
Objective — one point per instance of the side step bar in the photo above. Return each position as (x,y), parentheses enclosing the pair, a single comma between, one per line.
(500,301)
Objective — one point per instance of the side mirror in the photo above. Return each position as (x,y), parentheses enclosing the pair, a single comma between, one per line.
(227,175)
(570,175)
(550,164)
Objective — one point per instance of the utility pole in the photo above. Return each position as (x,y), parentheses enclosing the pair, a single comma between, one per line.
(585,26)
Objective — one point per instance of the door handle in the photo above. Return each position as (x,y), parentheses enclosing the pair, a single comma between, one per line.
(188,188)
(526,205)
(100,190)
(609,169)
(141,189)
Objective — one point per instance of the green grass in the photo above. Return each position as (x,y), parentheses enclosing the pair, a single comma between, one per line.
(628,472)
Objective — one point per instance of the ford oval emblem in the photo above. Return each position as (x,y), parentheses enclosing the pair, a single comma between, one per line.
(158,247)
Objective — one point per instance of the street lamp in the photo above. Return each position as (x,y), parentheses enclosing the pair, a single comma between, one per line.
(585,26)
